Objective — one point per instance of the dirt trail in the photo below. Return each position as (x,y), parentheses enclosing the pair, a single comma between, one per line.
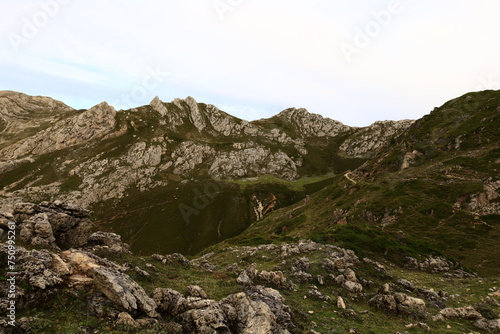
(349,178)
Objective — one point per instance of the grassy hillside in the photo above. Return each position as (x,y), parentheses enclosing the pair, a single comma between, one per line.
(394,212)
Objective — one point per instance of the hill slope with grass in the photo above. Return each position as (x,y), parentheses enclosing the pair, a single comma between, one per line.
(435,190)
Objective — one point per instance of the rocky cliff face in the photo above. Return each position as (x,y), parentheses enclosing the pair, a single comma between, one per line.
(307,124)
(20,112)
(367,140)
(88,125)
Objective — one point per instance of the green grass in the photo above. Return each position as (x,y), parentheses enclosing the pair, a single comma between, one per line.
(300,184)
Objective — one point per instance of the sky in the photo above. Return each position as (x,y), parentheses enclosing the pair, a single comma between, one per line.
(356,61)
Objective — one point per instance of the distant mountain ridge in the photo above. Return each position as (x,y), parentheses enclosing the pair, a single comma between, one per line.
(182,138)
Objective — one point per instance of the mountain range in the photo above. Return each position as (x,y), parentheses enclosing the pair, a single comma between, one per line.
(281,221)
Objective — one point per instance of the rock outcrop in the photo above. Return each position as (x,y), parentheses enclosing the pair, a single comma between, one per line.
(20,112)
(368,139)
(117,286)
(52,224)
(45,271)
(311,125)
(397,302)
(259,310)
(107,244)
(91,124)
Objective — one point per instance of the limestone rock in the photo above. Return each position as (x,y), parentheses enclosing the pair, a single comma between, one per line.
(21,112)
(249,316)
(410,159)
(208,318)
(277,305)
(246,276)
(490,326)
(53,223)
(259,310)
(301,264)
(396,303)
(124,319)
(196,291)
(118,287)
(253,161)
(90,124)
(352,286)
(341,303)
(315,293)
(302,276)
(107,244)
(312,125)
(274,277)
(406,284)
(365,141)
(169,301)
(485,202)
(459,313)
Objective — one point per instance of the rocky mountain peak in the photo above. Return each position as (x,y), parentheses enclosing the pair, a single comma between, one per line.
(102,112)
(307,124)
(76,129)
(19,112)
(13,103)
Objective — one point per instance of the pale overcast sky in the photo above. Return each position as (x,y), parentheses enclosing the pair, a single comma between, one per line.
(357,61)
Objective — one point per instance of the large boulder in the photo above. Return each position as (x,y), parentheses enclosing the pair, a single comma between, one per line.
(458,313)
(397,303)
(52,224)
(258,310)
(490,326)
(107,244)
(115,285)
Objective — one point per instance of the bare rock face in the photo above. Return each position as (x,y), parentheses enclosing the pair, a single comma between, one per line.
(368,139)
(256,150)
(312,125)
(485,202)
(140,155)
(277,305)
(93,123)
(246,276)
(124,319)
(45,272)
(410,158)
(20,111)
(341,259)
(253,161)
(208,319)
(53,224)
(196,291)
(41,268)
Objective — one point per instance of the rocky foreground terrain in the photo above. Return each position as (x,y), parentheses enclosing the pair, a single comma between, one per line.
(73,281)
(179,218)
